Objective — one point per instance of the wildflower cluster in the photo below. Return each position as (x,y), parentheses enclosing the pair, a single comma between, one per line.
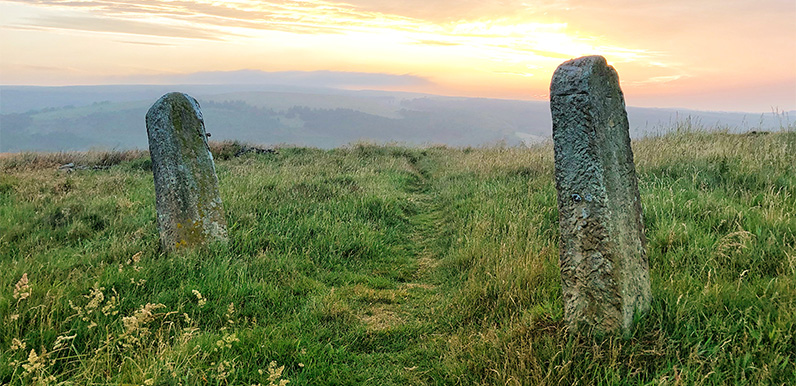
(200,299)
(274,375)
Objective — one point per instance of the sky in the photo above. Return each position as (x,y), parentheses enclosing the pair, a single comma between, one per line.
(721,55)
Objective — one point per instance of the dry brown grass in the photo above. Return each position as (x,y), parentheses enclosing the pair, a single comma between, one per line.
(89,159)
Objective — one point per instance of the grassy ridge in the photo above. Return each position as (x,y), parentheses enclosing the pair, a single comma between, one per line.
(390,265)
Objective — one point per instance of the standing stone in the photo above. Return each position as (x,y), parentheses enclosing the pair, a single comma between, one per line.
(186,186)
(603,261)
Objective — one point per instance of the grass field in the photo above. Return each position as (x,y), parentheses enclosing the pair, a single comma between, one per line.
(385,265)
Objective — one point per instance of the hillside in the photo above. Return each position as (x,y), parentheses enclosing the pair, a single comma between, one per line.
(390,265)
(111,117)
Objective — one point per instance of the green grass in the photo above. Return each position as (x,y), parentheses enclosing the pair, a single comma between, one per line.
(395,266)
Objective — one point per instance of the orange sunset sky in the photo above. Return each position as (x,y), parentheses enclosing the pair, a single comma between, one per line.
(709,54)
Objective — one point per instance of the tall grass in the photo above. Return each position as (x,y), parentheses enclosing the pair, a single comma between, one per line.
(719,212)
(89,159)
(394,266)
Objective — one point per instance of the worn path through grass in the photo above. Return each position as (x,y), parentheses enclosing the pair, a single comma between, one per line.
(413,310)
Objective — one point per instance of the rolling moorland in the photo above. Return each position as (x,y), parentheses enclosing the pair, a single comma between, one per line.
(111,117)
(388,265)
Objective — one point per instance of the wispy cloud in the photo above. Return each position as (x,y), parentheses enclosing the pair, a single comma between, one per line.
(108,25)
(204,19)
(659,80)
(292,16)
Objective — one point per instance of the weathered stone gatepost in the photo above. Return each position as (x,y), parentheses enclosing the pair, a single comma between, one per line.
(603,261)
(186,186)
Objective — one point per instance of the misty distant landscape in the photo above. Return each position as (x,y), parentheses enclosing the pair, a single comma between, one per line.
(112,117)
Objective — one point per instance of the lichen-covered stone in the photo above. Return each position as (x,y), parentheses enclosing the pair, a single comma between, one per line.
(186,186)
(603,261)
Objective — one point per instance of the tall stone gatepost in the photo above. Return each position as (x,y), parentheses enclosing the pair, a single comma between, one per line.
(186,186)
(603,261)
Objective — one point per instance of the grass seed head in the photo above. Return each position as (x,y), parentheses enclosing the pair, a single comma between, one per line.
(22,288)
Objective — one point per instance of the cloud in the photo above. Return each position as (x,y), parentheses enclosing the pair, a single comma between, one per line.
(218,17)
(108,25)
(476,28)
(322,17)
(451,11)
(658,80)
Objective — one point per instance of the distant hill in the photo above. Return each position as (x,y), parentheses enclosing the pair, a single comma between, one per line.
(84,117)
